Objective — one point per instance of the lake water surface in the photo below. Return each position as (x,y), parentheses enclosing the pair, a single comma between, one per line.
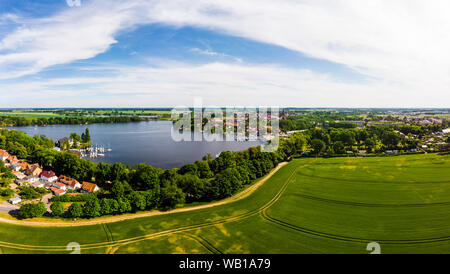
(141,142)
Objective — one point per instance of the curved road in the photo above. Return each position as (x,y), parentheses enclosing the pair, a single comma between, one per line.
(246,192)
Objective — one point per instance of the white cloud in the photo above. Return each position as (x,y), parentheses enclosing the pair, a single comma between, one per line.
(206,52)
(403,44)
(219,84)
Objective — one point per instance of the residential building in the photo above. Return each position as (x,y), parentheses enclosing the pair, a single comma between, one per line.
(57,191)
(24,165)
(89,187)
(49,176)
(15,201)
(33,170)
(60,186)
(38,184)
(16,167)
(19,175)
(33,179)
(3,155)
(71,183)
(64,140)
(13,159)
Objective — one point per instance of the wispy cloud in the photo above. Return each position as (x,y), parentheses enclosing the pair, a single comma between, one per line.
(403,44)
(219,84)
(206,52)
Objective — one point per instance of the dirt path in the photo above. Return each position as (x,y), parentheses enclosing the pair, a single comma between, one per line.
(241,195)
(114,245)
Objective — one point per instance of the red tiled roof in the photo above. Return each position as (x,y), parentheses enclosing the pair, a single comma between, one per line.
(48,174)
(88,186)
(57,190)
(67,180)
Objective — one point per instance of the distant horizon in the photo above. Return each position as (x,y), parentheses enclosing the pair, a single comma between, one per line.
(223,107)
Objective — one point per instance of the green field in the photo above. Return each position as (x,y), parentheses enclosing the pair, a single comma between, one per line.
(335,205)
(31,114)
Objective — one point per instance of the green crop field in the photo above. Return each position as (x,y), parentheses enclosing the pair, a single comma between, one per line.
(336,205)
(31,114)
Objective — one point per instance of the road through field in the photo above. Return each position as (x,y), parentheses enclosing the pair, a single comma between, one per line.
(112,243)
(245,193)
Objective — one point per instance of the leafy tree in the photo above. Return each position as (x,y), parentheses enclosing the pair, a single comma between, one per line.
(92,208)
(57,209)
(118,189)
(32,210)
(144,177)
(119,172)
(189,169)
(171,195)
(339,147)
(226,183)
(124,205)
(29,193)
(86,136)
(102,173)
(137,201)
(203,170)
(105,206)
(192,186)
(151,198)
(76,210)
(318,146)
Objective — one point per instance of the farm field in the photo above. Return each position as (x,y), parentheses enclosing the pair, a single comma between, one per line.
(335,205)
(31,114)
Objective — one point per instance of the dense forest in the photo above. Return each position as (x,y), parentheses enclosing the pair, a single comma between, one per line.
(22,121)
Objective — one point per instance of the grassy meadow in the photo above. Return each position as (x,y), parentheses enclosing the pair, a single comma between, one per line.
(335,205)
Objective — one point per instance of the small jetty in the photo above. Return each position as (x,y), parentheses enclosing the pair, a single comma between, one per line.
(94,152)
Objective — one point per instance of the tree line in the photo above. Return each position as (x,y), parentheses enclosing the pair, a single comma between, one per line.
(42,121)
(143,187)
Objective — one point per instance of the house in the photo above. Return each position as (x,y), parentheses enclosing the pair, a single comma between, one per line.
(60,186)
(74,185)
(33,170)
(63,141)
(57,191)
(89,187)
(16,167)
(33,179)
(38,184)
(24,165)
(13,159)
(15,201)
(19,175)
(71,183)
(3,155)
(48,176)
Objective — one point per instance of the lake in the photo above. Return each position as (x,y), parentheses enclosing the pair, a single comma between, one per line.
(142,142)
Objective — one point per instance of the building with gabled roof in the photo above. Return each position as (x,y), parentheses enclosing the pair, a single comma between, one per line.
(89,187)
(3,155)
(33,170)
(49,176)
(57,191)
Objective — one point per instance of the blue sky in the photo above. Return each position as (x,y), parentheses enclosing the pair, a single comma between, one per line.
(166,53)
